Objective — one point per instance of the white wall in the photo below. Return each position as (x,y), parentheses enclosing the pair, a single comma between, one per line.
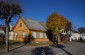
(75,36)
(82,36)
(11,35)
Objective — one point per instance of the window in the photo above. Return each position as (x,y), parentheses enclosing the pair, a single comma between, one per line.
(45,35)
(16,35)
(41,35)
(24,34)
(34,34)
(20,24)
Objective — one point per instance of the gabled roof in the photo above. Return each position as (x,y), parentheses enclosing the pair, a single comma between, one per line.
(43,24)
(34,25)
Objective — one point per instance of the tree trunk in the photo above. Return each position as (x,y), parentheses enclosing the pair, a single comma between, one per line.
(57,39)
(7,36)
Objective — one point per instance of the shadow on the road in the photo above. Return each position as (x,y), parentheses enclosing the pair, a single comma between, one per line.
(42,51)
(62,48)
(16,47)
(83,41)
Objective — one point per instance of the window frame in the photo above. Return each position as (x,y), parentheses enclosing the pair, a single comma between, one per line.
(41,35)
(20,24)
(15,34)
(45,35)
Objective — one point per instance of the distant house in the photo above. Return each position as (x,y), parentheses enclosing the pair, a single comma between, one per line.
(75,36)
(2,32)
(82,36)
(2,35)
(65,35)
(27,29)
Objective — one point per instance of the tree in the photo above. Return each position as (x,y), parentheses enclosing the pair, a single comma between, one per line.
(55,23)
(81,30)
(7,11)
(68,26)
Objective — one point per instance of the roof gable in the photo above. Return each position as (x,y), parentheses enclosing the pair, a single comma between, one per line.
(17,25)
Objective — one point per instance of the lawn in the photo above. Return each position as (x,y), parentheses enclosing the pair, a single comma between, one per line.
(11,44)
(38,44)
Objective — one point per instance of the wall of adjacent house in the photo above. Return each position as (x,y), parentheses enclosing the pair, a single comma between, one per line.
(18,30)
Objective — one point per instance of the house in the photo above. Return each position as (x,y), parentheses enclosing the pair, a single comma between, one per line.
(29,30)
(2,35)
(75,36)
(65,35)
(82,36)
(11,33)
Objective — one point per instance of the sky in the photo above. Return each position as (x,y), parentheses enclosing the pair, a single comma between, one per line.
(39,10)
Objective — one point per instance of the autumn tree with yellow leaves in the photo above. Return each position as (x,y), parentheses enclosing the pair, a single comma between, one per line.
(56,23)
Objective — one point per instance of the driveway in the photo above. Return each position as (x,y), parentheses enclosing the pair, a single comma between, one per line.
(74,48)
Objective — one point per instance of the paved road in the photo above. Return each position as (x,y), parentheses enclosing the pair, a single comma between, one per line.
(75,48)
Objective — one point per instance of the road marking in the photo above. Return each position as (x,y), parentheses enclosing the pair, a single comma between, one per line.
(60,53)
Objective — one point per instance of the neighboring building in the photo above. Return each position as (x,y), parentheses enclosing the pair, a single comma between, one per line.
(65,35)
(11,33)
(33,31)
(2,35)
(2,32)
(63,32)
(82,36)
(75,36)
(72,35)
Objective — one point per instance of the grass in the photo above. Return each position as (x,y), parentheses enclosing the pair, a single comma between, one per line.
(11,44)
(39,44)
(2,47)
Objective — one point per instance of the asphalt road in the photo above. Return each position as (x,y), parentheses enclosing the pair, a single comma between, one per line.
(74,48)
